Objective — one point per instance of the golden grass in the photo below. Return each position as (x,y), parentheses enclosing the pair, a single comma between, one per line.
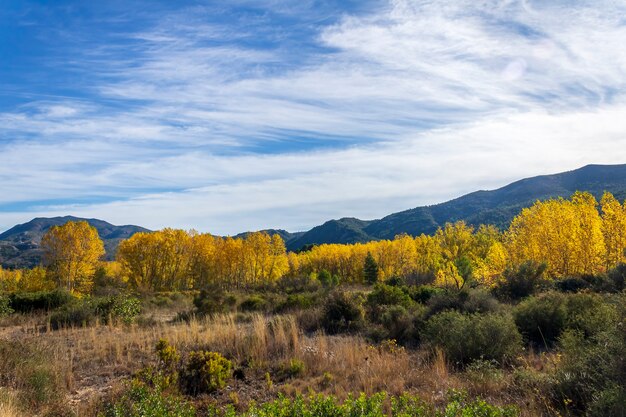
(94,361)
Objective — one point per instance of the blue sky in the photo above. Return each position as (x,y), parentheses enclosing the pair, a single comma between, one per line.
(241,115)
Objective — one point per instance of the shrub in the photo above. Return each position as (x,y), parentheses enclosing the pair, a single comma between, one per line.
(542,319)
(253,303)
(205,372)
(423,293)
(341,313)
(376,405)
(295,367)
(75,315)
(296,302)
(467,337)
(591,373)
(446,300)
(212,301)
(480,301)
(41,300)
(142,401)
(386,295)
(522,281)
(121,307)
(617,276)
(589,313)
(298,284)
(5,306)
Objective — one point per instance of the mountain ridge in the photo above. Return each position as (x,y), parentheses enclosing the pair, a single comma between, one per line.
(19,245)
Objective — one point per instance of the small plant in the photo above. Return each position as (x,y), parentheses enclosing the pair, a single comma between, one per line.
(5,306)
(205,372)
(296,367)
(141,401)
(268,381)
(168,362)
(341,313)
(467,337)
(126,309)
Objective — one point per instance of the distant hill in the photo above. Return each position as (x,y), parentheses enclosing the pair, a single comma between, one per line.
(19,246)
(496,207)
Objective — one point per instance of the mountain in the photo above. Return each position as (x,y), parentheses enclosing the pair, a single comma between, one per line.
(285,235)
(496,207)
(19,246)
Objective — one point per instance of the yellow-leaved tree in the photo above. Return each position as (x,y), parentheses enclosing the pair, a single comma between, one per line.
(613,230)
(565,234)
(71,253)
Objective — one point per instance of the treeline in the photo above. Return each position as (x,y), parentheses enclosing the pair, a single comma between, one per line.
(570,237)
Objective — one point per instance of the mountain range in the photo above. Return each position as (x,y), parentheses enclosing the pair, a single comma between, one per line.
(19,246)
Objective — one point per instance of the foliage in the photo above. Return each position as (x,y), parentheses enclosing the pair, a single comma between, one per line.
(521,281)
(542,319)
(341,313)
(205,372)
(467,337)
(458,405)
(253,303)
(5,306)
(28,302)
(370,269)
(174,259)
(140,400)
(71,252)
(27,368)
(121,307)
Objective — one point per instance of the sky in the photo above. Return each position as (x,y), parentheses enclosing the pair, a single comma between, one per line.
(228,116)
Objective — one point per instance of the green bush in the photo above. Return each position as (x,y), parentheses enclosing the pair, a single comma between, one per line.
(542,319)
(590,377)
(297,302)
(253,303)
(521,282)
(213,300)
(5,306)
(40,301)
(423,293)
(467,337)
(377,405)
(76,315)
(617,276)
(341,313)
(205,372)
(143,401)
(120,307)
(386,295)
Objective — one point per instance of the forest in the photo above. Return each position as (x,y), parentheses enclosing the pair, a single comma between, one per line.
(468,321)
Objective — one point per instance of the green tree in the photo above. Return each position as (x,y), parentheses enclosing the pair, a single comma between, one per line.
(370,269)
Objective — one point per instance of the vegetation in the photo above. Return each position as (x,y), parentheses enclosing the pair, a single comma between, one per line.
(468,321)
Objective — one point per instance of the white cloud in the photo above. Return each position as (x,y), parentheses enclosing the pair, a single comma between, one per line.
(427,100)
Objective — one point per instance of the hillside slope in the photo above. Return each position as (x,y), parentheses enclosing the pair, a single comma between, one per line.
(496,207)
(19,246)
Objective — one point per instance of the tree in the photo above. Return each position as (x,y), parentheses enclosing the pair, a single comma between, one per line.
(613,230)
(71,252)
(370,269)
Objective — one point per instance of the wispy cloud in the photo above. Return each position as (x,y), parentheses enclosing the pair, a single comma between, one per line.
(269,120)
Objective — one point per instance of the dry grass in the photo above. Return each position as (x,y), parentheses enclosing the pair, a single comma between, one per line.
(8,405)
(93,362)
